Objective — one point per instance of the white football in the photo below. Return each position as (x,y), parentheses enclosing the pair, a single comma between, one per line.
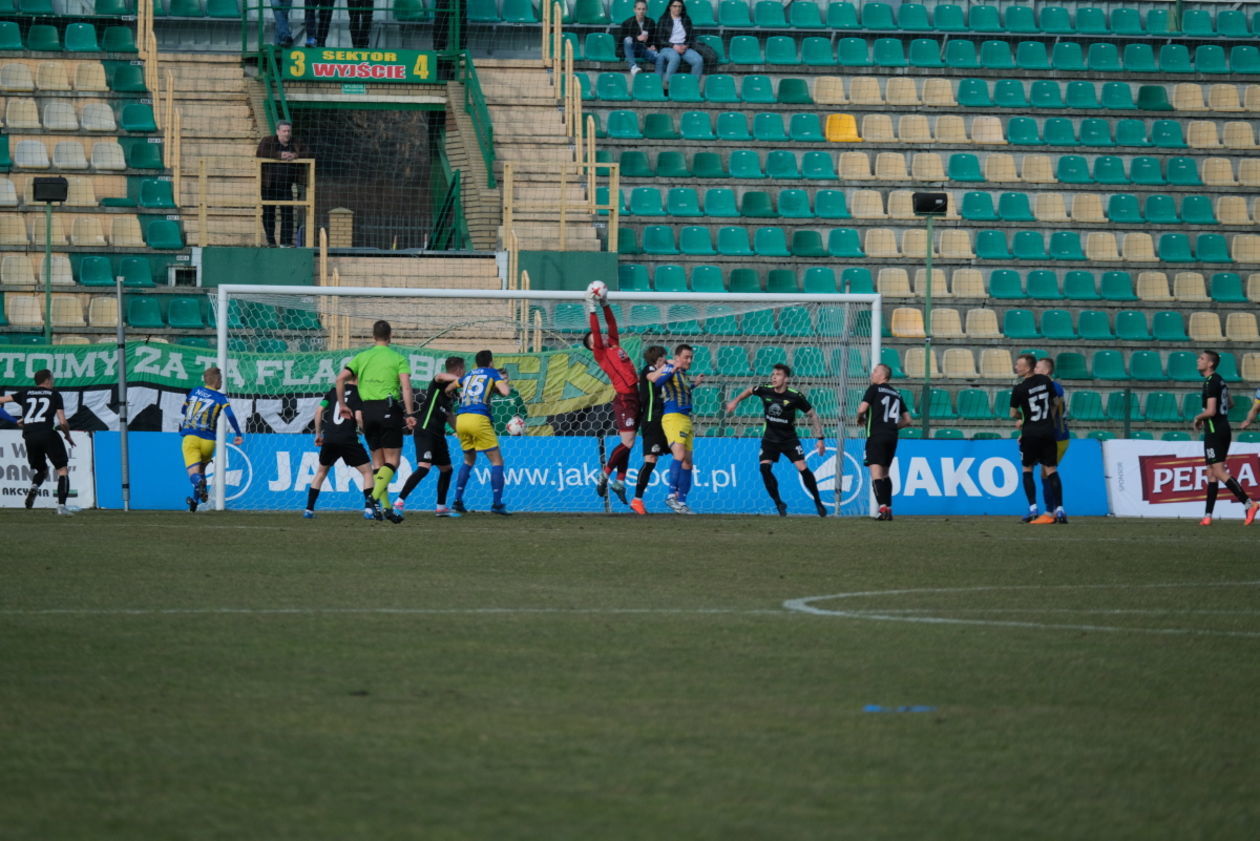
(516,426)
(598,289)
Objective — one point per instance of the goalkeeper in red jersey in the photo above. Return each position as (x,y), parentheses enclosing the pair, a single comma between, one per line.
(621,371)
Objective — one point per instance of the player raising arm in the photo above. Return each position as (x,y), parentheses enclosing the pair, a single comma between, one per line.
(476,432)
(884,415)
(676,422)
(779,406)
(651,404)
(42,405)
(198,428)
(1253,411)
(1217,436)
(338,439)
(619,367)
(1032,406)
(430,435)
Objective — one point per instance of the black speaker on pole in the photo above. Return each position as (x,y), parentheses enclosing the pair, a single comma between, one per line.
(930,204)
(50,189)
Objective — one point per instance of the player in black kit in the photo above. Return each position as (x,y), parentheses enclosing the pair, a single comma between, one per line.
(1032,405)
(338,439)
(779,406)
(42,405)
(651,406)
(430,435)
(1217,436)
(883,413)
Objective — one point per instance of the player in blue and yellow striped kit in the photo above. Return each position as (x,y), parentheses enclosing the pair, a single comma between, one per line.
(676,422)
(198,425)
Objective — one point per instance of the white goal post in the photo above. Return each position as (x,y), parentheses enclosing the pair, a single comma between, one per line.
(284,345)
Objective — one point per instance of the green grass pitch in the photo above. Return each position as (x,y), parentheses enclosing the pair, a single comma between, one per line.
(236,676)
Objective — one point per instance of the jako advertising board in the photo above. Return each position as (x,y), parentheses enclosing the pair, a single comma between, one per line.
(1169,478)
(545,473)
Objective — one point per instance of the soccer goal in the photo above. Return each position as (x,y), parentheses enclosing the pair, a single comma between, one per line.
(281,348)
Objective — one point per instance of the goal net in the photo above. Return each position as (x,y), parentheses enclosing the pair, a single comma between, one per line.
(282,347)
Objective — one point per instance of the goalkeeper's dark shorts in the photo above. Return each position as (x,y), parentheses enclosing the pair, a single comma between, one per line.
(626,411)
(383,424)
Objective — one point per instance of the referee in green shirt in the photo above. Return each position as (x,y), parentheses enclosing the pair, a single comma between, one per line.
(385,390)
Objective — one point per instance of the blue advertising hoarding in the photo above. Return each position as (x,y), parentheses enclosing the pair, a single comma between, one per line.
(273,472)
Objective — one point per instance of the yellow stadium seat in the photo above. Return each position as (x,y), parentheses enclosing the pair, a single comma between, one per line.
(16,78)
(880,243)
(877,128)
(1251,98)
(914,128)
(1202,134)
(1219,172)
(61,274)
(87,232)
(995,364)
(89,77)
(983,324)
(956,244)
(1087,207)
(867,204)
(914,243)
(1139,248)
(13,230)
(855,166)
(967,283)
(124,232)
(958,362)
(901,204)
(24,310)
(912,361)
(947,324)
(999,168)
(950,128)
(940,289)
(103,311)
(1223,98)
(79,192)
(1189,97)
(15,271)
(1251,367)
(1241,327)
(927,166)
(68,154)
(842,128)
(1245,248)
(70,339)
(987,130)
(893,283)
(50,75)
(22,114)
(901,90)
(1190,287)
(1153,287)
(1101,246)
(1253,286)
(864,90)
(891,166)
(1037,169)
(1050,207)
(67,310)
(939,93)
(829,90)
(59,115)
(38,229)
(907,323)
(1204,327)
(1239,135)
(1232,210)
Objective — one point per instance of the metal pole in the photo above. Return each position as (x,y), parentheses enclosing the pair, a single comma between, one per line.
(122,398)
(927,339)
(47,273)
(221,450)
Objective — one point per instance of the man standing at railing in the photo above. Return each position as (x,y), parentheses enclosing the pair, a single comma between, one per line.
(278,181)
(360,12)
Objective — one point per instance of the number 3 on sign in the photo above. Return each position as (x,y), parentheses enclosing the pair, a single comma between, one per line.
(297,65)
(421,70)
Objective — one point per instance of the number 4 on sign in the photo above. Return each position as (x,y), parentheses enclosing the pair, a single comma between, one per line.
(421,70)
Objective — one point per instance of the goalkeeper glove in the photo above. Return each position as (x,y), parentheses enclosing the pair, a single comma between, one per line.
(592,304)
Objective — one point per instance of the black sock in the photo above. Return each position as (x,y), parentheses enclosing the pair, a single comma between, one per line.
(63,489)
(1212,490)
(771,483)
(367,496)
(1030,489)
(444,484)
(1236,490)
(811,484)
(645,473)
(38,477)
(1052,487)
(312,494)
(414,479)
(883,491)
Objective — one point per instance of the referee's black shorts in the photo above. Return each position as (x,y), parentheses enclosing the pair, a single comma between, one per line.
(44,444)
(431,448)
(1216,444)
(351,452)
(1039,448)
(383,424)
(880,450)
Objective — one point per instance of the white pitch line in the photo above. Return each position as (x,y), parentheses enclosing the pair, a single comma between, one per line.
(384,611)
(805,605)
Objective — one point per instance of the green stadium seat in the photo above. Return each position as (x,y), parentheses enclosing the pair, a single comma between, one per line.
(757,89)
(623,124)
(163,234)
(707,279)
(126,78)
(1130,132)
(745,281)
(1153,98)
(888,52)
(1145,170)
(43,37)
(991,245)
(1070,365)
(781,281)
(842,15)
(1080,285)
(1210,59)
(1109,169)
(1174,248)
(646,201)
(768,128)
(1022,131)
(1169,326)
(1015,207)
(1045,93)
(672,164)
(820,280)
(806,243)
(1176,435)
(696,125)
(1043,285)
(611,87)
(1117,286)
(845,242)
(828,204)
(1198,23)
(1227,288)
(1131,326)
(1228,368)
(632,277)
(806,128)
(984,18)
(95,270)
(733,242)
(670,278)
(771,242)
(960,54)
(745,163)
(781,165)
(925,52)
(1139,57)
(996,55)
(144,311)
(720,321)
(720,87)
(1125,21)
(1198,210)
(10,36)
(1086,405)
(758,323)
(701,14)
(1005,284)
(487,11)
(647,88)
(599,45)
(1244,58)
(137,272)
(1116,406)
(590,13)
(184,312)
(659,239)
(746,49)
(81,38)
(942,404)
(780,49)
(1082,95)
(1056,20)
(156,193)
(857,279)
(1184,172)
(1020,324)
(1123,208)
(1073,169)
(964,166)
(714,43)
(222,9)
(978,207)
(1095,131)
(659,126)
(1103,57)
(1231,23)
(682,201)
(1116,96)
(1094,326)
(720,201)
(733,125)
(1020,19)
(1066,245)
(1175,58)
(1009,93)
(118,39)
(1056,325)
(756,203)
(820,166)
(805,14)
(974,93)
(734,14)
(973,404)
(1029,245)
(633,163)
(816,51)
(1212,248)
(684,87)
(1161,406)
(1067,56)
(793,92)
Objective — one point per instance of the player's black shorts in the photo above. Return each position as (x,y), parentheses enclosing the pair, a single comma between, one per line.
(351,452)
(880,450)
(383,424)
(1039,449)
(1216,444)
(44,444)
(772,448)
(431,447)
(654,443)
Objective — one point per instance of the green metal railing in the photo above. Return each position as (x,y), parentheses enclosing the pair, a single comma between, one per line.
(475,106)
(274,102)
(450,231)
